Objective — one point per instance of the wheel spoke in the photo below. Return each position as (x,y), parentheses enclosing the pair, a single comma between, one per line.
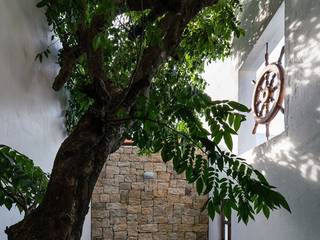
(261,110)
(272,80)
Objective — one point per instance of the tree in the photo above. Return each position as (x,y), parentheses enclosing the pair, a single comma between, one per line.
(133,70)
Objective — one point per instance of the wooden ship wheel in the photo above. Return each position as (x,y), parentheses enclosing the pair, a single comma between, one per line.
(268,94)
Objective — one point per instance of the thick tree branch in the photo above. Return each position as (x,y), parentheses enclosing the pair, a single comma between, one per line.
(69,58)
(172,27)
(102,87)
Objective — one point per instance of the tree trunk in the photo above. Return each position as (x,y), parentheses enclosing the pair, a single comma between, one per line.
(75,172)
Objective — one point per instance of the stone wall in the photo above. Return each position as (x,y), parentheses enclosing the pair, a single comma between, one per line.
(127,205)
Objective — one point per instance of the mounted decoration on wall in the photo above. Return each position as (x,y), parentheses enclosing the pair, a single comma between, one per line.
(268,94)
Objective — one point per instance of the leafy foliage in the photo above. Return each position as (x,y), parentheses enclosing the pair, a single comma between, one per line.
(194,151)
(21,183)
(170,117)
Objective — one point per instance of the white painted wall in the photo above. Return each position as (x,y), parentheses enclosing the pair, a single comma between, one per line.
(31,114)
(290,160)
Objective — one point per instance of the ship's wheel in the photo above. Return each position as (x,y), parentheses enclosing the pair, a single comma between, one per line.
(268,94)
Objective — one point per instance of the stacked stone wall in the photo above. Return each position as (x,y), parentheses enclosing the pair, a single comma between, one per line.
(127,204)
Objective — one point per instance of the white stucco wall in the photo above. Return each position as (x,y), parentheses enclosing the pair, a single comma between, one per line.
(31,113)
(291,160)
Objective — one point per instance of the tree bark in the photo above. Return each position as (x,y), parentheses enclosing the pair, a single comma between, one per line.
(82,155)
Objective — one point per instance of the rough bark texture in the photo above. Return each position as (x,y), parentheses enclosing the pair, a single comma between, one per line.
(83,154)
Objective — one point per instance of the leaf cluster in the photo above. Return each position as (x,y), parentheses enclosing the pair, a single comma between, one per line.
(21,182)
(175,128)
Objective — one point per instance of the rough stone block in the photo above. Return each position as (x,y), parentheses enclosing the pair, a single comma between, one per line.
(160,219)
(98,213)
(174,220)
(185,227)
(159,167)
(159,210)
(124,196)
(202,236)
(164,176)
(112,170)
(137,186)
(147,211)
(114,206)
(119,178)
(115,197)
(159,236)
(134,209)
(148,228)
(132,217)
(120,227)
(145,236)
(110,189)
(98,205)
(117,220)
(104,198)
(115,157)
(97,232)
(130,178)
(123,164)
(118,212)
(165,227)
(185,219)
(107,234)
(125,186)
(147,195)
(120,235)
(200,228)
(124,170)
(176,191)
(147,203)
(190,236)
(133,229)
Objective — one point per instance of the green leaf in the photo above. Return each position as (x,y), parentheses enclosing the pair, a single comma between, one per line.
(199,185)
(231,119)
(218,137)
(211,210)
(238,106)
(220,163)
(227,209)
(166,153)
(228,140)
(237,122)
(8,203)
(261,178)
(266,211)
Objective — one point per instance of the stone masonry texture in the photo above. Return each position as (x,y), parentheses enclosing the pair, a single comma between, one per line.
(125,205)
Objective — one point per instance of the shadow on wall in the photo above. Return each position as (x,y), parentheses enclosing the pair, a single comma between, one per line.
(296,173)
(303,70)
(254,19)
(291,161)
